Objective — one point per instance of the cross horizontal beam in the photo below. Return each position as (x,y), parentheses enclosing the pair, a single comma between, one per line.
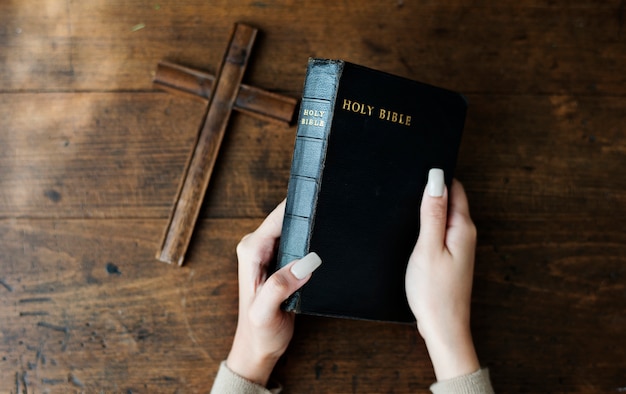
(197,84)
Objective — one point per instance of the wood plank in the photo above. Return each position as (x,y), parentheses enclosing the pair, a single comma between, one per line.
(538,47)
(122,154)
(85,307)
(91,310)
(558,155)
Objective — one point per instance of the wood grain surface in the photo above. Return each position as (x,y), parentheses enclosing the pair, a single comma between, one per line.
(91,156)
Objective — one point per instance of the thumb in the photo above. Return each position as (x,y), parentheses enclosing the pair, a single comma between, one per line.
(434,211)
(285,282)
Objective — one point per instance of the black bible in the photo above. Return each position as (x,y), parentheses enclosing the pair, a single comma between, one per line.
(365,142)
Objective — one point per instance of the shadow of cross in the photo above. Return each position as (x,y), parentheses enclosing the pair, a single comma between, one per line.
(223,93)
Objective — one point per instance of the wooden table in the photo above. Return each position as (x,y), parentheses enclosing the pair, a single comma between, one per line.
(91,156)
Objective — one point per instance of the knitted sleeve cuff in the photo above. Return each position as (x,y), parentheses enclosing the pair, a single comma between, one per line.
(229,382)
(473,383)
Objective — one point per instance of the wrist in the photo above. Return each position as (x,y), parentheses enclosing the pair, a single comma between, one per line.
(255,368)
(451,351)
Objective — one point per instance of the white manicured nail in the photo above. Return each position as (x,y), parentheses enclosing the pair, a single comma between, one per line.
(306,265)
(435,182)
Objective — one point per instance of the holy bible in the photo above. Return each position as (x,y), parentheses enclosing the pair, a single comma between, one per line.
(365,142)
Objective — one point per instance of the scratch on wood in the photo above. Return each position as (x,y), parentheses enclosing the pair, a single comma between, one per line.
(52,382)
(165,378)
(74,380)
(138,27)
(6,285)
(621,10)
(70,72)
(40,313)
(53,327)
(25,382)
(183,303)
(17,383)
(35,300)
(39,354)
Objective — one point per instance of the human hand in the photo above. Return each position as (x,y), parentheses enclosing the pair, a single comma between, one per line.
(263,329)
(439,278)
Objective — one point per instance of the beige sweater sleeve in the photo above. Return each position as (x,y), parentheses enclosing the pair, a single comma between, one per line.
(228,382)
(474,383)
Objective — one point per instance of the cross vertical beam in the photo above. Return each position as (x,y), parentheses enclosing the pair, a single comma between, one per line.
(193,188)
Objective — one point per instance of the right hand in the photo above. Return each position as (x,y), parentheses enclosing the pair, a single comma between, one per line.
(263,329)
(439,278)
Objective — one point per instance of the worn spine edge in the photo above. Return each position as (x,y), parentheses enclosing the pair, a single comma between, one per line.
(313,131)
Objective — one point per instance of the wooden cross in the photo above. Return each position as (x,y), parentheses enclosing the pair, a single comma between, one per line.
(222,94)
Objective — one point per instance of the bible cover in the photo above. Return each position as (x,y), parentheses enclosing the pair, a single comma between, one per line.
(364,145)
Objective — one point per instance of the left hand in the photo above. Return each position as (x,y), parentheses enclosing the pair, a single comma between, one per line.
(263,329)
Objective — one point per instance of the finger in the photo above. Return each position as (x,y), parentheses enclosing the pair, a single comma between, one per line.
(458,200)
(284,283)
(273,224)
(433,212)
(458,214)
(255,247)
(461,228)
(255,251)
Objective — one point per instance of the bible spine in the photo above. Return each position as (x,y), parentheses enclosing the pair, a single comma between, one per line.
(314,125)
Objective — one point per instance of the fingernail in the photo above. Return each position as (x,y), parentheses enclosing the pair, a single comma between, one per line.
(306,265)
(435,182)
